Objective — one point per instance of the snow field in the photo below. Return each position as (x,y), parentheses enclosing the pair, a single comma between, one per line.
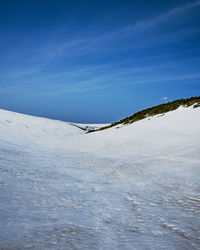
(134,187)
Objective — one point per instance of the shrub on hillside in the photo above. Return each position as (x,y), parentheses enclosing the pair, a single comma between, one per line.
(160,109)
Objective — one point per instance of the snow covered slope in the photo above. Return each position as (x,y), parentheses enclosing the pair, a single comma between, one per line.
(128,187)
(24,129)
(175,132)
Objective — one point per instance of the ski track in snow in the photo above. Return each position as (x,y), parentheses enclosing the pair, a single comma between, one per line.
(136,187)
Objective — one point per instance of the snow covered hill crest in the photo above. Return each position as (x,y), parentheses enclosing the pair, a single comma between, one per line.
(22,129)
(157,110)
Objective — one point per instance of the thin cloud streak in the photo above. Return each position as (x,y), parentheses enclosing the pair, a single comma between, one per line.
(81,47)
(77,48)
(150,23)
(97,83)
(103,43)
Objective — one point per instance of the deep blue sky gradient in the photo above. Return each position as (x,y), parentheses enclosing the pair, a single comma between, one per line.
(97,61)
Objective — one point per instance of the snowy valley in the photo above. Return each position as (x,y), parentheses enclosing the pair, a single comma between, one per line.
(127,187)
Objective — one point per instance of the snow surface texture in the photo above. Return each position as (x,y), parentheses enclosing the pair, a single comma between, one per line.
(128,187)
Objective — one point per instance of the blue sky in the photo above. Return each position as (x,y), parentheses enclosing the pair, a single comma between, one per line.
(97,61)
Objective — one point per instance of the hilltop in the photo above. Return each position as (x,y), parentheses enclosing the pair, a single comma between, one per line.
(156,110)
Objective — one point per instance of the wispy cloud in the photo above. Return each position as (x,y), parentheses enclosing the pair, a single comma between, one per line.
(158,20)
(41,73)
(161,79)
(98,78)
(103,43)
(164,98)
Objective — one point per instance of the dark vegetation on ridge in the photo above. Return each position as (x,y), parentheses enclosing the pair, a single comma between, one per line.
(159,109)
